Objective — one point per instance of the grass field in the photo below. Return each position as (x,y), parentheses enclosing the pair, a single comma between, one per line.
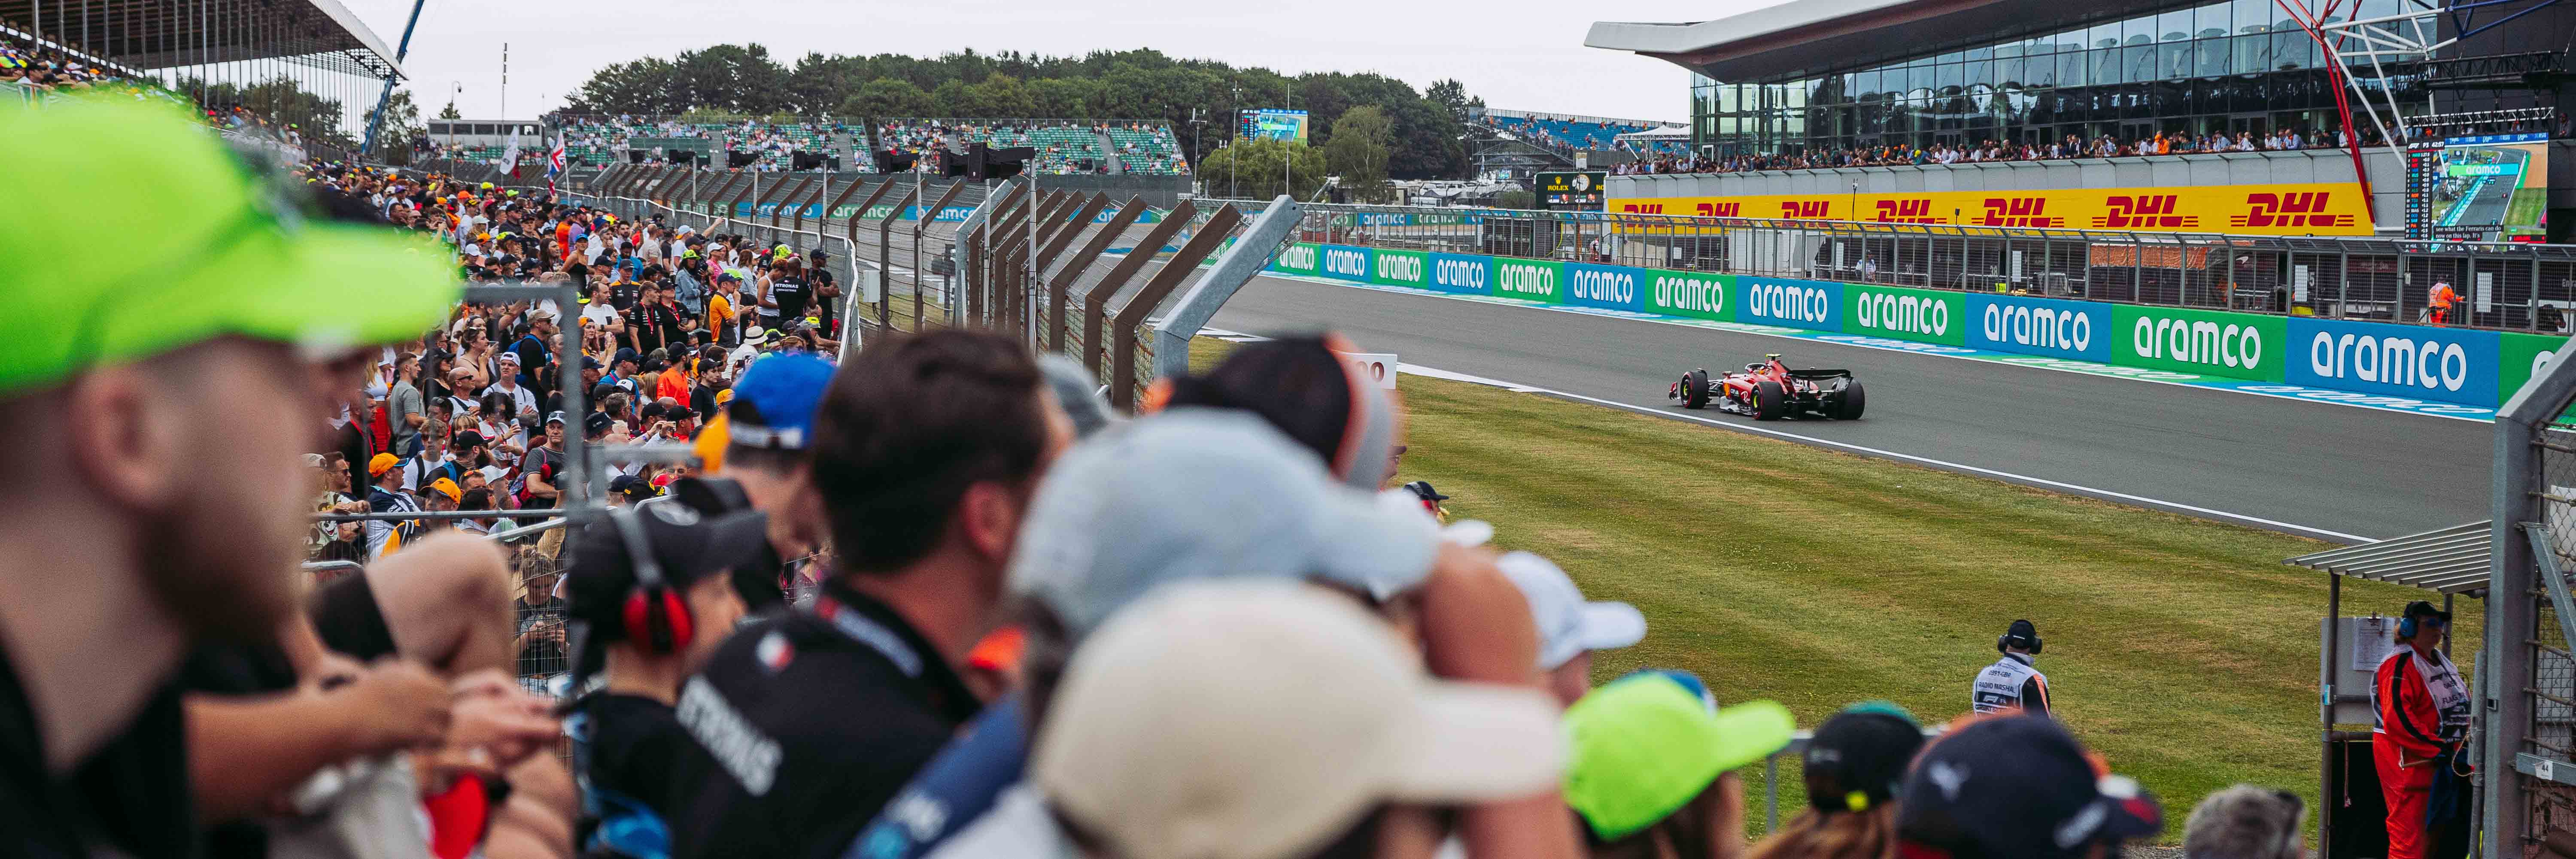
(2180,648)
(2522,213)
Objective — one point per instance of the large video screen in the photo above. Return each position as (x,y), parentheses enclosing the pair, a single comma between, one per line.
(1275,124)
(2492,188)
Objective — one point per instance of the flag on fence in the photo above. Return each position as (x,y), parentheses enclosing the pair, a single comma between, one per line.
(510,154)
(554,164)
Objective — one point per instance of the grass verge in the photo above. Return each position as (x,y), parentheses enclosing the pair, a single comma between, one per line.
(2180,648)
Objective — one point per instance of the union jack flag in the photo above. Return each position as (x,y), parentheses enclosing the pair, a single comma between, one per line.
(554,164)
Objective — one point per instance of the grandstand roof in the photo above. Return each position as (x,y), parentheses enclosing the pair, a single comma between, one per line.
(155,34)
(1801,38)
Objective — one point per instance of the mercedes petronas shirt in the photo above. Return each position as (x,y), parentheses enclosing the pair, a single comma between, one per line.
(806,724)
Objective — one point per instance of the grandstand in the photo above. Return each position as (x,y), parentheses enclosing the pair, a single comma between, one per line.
(600,141)
(1064,146)
(230,61)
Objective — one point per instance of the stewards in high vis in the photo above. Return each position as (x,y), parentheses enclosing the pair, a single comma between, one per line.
(2419,712)
(2011,683)
(2442,300)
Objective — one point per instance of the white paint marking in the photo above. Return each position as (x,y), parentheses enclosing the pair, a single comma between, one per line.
(1419,370)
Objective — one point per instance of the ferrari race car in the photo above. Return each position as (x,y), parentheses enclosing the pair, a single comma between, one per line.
(1768,390)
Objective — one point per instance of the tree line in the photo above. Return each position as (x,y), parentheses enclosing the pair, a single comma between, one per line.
(1415,134)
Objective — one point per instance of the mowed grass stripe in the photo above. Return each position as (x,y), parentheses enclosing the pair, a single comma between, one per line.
(2181,648)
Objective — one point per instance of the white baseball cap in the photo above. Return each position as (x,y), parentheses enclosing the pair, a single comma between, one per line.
(1201,493)
(1259,719)
(1568,625)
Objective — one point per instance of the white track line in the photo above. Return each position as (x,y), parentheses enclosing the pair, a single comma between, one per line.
(1889,454)
(1435,373)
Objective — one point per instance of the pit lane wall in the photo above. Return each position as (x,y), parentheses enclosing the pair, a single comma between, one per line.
(2454,371)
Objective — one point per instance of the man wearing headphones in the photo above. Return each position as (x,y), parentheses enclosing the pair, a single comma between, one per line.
(650,591)
(2011,683)
(2419,712)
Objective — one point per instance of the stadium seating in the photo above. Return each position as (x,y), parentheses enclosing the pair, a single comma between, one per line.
(1148,150)
(598,141)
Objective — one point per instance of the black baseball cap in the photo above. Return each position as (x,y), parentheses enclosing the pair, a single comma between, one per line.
(2017,787)
(597,422)
(687,544)
(1422,489)
(1857,759)
(2420,608)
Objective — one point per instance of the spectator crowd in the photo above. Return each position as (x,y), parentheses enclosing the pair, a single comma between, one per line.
(933,601)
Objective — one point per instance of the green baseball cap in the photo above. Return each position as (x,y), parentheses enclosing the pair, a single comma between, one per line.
(145,234)
(1643,747)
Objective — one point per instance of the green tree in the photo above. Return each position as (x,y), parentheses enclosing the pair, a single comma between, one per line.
(951,98)
(1358,149)
(449,112)
(1451,96)
(1251,169)
(400,127)
(1000,95)
(638,86)
(888,98)
(1069,98)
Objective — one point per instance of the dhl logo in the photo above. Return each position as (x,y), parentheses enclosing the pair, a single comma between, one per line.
(1806,210)
(2294,209)
(1705,210)
(1916,210)
(2145,211)
(2019,212)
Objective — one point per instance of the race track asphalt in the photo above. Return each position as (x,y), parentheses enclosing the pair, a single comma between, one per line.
(2355,471)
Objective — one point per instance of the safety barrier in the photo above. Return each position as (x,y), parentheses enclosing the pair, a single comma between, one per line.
(2460,367)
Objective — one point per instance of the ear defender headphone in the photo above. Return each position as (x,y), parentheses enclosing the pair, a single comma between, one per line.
(2026,642)
(2406,627)
(656,618)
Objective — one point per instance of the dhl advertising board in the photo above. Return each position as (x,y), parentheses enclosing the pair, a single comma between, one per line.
(2331,209)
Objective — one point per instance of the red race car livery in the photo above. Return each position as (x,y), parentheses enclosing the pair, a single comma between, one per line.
(1769,390)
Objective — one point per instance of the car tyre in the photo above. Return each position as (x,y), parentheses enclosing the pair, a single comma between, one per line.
(1695,389)
(1855,400)
(1769,402)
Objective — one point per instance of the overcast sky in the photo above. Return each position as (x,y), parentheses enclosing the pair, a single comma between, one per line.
(1516,54)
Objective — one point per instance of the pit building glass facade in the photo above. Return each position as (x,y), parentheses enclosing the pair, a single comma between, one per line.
(2240,65)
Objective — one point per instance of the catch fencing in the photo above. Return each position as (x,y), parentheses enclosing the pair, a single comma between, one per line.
(1071,268)
(2502,286)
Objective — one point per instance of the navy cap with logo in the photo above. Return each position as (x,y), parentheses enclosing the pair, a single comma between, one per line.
(2016,787)
(597,422)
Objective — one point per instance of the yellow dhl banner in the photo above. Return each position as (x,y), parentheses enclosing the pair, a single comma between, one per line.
(2271,210)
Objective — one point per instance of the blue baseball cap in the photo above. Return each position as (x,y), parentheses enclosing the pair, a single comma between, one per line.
(773,403)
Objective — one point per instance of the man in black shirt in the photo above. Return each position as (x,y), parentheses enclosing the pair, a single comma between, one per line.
(626,738)
(827,291)
(924,452)
(655,321)
(789,289)
(153,482)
